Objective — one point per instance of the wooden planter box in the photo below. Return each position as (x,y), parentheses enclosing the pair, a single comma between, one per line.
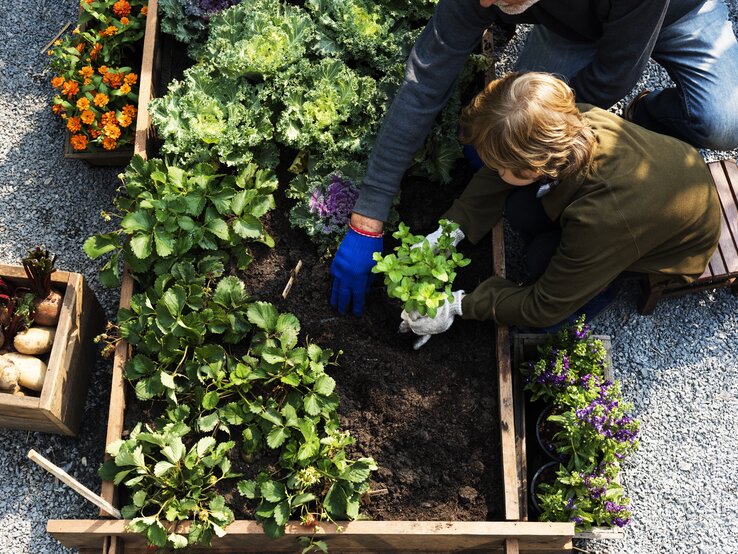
(61,403)
(144,132)
(511,536)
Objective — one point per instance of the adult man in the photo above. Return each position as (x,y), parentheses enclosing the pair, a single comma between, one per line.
(600,46)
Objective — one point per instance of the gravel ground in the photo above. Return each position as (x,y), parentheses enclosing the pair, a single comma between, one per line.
(678,365)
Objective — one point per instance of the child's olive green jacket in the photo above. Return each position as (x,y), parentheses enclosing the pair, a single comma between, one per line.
(646,203)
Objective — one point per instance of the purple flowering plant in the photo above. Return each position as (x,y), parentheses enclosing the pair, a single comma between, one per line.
(595,430)
(588,497)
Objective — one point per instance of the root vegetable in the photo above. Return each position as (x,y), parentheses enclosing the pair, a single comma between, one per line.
(35,341)
(47,310)
(32,370)
(9,376)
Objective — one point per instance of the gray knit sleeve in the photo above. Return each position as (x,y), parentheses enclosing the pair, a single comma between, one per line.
(431,71)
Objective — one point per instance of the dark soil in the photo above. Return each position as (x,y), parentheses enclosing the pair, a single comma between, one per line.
(428,417)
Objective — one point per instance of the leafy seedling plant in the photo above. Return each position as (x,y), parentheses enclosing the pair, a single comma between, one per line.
(418,274)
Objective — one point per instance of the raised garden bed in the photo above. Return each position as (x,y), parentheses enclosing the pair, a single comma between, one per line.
(440,422)
(59,407)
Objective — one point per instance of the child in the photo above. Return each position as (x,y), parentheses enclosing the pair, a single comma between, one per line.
(592,194)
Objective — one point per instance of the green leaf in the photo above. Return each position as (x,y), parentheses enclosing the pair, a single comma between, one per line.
(358,472)
(186,223)
(139,221)
(303,498)
(164,242)
(247,227)
(99,245)
(210,400)
(205,444)
(282,512)
(178,541)
(139,498)
(156,534)
(207,423)
(311,404)
(219,228)
(263,315)
(273,491)
(271,529)
(174,451)
(162,467)
(324,385)
(141,246)
(336,501)
(247,488)
(277,436)
(230,292)
(167,380)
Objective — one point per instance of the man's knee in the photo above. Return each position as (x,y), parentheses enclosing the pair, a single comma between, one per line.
(716,129)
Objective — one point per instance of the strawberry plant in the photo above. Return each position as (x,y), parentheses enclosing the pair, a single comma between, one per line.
(168,213)
(418,274)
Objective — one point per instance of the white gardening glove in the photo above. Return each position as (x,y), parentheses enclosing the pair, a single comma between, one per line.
(432,238)
(425,326)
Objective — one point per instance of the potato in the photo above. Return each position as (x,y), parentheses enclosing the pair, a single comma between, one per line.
(35,341)
(9,375)
(32,370)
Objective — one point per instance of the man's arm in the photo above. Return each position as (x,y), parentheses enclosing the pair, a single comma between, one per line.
(432,68)
(628,38)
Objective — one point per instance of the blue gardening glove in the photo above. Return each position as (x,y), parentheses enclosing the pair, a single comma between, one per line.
(424,326)
(351,269)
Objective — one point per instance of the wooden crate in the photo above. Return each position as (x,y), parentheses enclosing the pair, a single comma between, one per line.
(61,403)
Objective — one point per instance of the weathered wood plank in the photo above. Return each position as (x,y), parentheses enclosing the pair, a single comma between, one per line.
(356,536)
(146,82)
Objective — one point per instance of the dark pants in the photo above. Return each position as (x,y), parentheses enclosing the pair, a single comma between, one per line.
(525,214)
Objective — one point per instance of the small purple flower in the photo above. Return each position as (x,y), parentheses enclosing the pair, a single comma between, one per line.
(577,520)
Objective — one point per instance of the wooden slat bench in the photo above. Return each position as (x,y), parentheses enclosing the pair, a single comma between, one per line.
(723,267)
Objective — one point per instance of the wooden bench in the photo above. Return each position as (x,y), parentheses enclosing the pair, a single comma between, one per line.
(723,267)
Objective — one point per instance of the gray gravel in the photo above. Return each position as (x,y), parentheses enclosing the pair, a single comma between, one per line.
(678,366)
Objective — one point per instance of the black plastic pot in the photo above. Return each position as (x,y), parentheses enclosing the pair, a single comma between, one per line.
(545,474)
(545,439)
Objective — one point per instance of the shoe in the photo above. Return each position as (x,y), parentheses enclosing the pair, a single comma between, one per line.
(630,109)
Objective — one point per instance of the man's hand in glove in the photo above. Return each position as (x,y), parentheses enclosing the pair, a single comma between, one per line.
(425,326)
(351,269)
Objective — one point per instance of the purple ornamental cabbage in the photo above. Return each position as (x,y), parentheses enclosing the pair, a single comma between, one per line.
(334,204)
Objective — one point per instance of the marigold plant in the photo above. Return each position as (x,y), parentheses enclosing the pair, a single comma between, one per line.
(98,93)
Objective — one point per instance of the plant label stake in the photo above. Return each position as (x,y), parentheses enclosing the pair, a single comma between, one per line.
(293,278)
(75,485)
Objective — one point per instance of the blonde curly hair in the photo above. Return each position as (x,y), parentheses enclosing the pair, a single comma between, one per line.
(528,121)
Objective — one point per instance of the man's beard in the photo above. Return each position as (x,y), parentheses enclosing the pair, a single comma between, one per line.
(516,9)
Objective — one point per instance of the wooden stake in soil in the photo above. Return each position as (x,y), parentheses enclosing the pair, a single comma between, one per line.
(53,40)
(75,485)
(293,278)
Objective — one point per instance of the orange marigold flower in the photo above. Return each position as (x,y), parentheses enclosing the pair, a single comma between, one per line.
(103,69)
(121,8)
(108,118)
(73,124)
(126,88)
(124,21)
(57,108)
(95,51)
(129,110)
(131,79)
(109,32)
(111,130)
(57,82)
(145,10)
(94,133)
(79,142)
(80,47)
(124,120)
(109,143)
(70,89)
(113,79)
(83,104)
(101,100)
(87,71)
(87,117)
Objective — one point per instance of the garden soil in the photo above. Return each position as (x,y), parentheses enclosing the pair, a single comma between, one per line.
(429,417)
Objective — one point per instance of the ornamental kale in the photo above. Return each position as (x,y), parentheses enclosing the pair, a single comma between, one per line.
(419,274)
(258,38)
(208,116)
(187,20)
(324,212)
